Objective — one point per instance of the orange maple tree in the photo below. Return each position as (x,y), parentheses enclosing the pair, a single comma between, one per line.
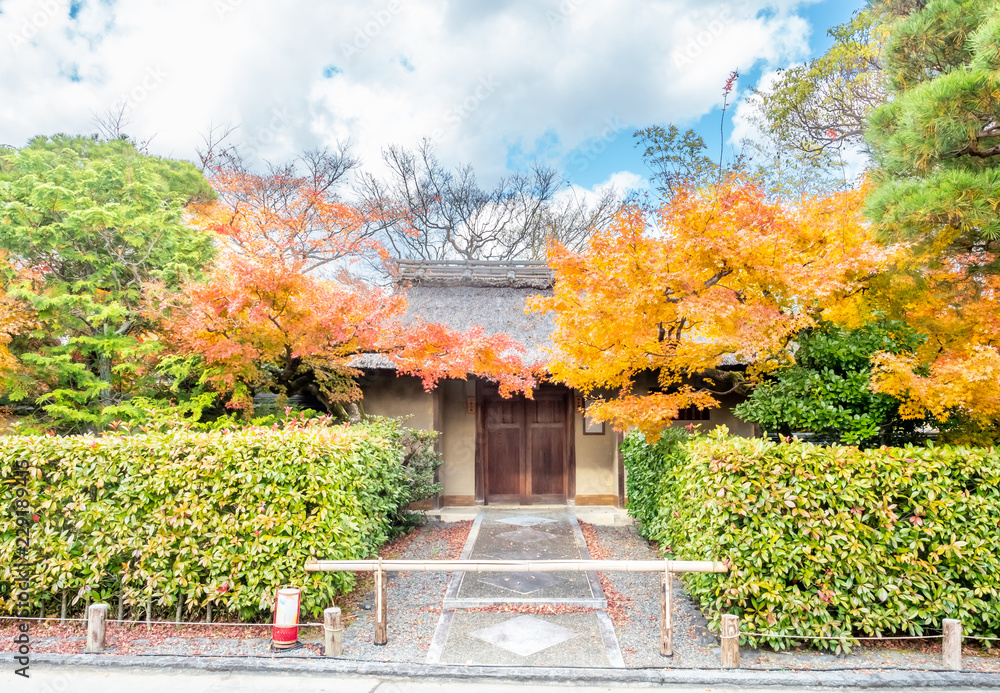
(263,320)
(283,216)
(718,276)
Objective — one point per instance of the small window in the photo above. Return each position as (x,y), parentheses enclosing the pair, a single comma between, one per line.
(692,414)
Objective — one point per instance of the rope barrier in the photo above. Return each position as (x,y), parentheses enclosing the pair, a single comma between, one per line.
(843,637)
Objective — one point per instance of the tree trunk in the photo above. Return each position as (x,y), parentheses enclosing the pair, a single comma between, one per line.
(353,413)
(104,372)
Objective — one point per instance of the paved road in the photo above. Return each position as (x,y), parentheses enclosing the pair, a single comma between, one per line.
(50,679)
(83,680)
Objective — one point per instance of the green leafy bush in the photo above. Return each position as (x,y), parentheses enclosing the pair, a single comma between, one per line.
(220,517)
(828,541)
(827,391)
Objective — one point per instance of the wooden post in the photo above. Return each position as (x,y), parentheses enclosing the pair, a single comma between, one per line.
(381,634)
(97,615)
(121,600)
(208,613)
(951,648)
(149,613)
(730,642)
(333,631)
(666,608)
(180,612)
(62,608)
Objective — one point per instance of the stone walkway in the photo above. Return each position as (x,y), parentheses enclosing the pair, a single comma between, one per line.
(525,619)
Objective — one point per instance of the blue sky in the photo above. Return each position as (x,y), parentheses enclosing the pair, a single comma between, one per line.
(585,167)
(498,84)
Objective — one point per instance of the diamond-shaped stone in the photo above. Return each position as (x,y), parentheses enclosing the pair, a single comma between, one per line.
(524,635)
(526,520)
(526,535)
(523,583)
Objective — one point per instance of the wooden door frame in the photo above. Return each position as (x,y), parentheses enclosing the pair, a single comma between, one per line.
(485,389)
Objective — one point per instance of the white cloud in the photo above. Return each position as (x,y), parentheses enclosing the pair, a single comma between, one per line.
(620,181)
(478,76)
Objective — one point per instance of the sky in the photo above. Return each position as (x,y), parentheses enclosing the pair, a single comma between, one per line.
(498,84)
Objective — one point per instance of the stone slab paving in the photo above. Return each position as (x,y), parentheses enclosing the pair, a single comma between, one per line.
(501,639)
(525,535)
(581,637)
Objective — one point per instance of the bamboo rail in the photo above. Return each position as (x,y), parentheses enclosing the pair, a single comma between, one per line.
(556,566)
(379,567)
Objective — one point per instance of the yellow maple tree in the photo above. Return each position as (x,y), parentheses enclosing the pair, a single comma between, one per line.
(952,375)
(717,276)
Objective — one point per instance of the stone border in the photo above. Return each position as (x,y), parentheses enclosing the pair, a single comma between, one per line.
(581,545)
(719,677)
(436,649)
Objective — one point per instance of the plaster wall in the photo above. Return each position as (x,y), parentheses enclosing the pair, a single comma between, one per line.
(458,442)
(401,397)
(595,464)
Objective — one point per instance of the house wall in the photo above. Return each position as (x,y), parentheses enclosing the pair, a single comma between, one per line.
(596,455)
(596,478)
(401,397)
(458,443)
(720,416)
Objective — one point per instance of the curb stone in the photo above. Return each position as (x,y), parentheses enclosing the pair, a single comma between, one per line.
(735,677)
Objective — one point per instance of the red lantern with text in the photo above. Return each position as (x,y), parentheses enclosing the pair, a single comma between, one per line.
(286,618)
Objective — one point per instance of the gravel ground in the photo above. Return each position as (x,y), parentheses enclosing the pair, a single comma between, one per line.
(633,601)
(414,607)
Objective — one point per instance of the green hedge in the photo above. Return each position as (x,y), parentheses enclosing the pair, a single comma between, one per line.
(221,517)
(827,541)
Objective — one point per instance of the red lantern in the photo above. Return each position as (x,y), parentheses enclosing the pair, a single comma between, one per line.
(286,618)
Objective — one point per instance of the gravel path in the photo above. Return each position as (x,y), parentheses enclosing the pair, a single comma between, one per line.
(414,600)
(635,610)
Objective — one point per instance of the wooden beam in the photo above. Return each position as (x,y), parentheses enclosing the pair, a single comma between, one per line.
(666,608)
(511,566)
(730,642)
(381,632)
(333,632)
(951,649)
(97,615)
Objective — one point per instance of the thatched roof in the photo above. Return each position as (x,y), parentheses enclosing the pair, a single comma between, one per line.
(496,309)
(491,295)
(512,274)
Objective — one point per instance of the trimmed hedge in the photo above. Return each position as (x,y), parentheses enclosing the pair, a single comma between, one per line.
(221,517)
(827,541)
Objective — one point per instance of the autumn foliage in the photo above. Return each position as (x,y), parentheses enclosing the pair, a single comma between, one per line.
(718,276)
(264,321)
(952,376)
